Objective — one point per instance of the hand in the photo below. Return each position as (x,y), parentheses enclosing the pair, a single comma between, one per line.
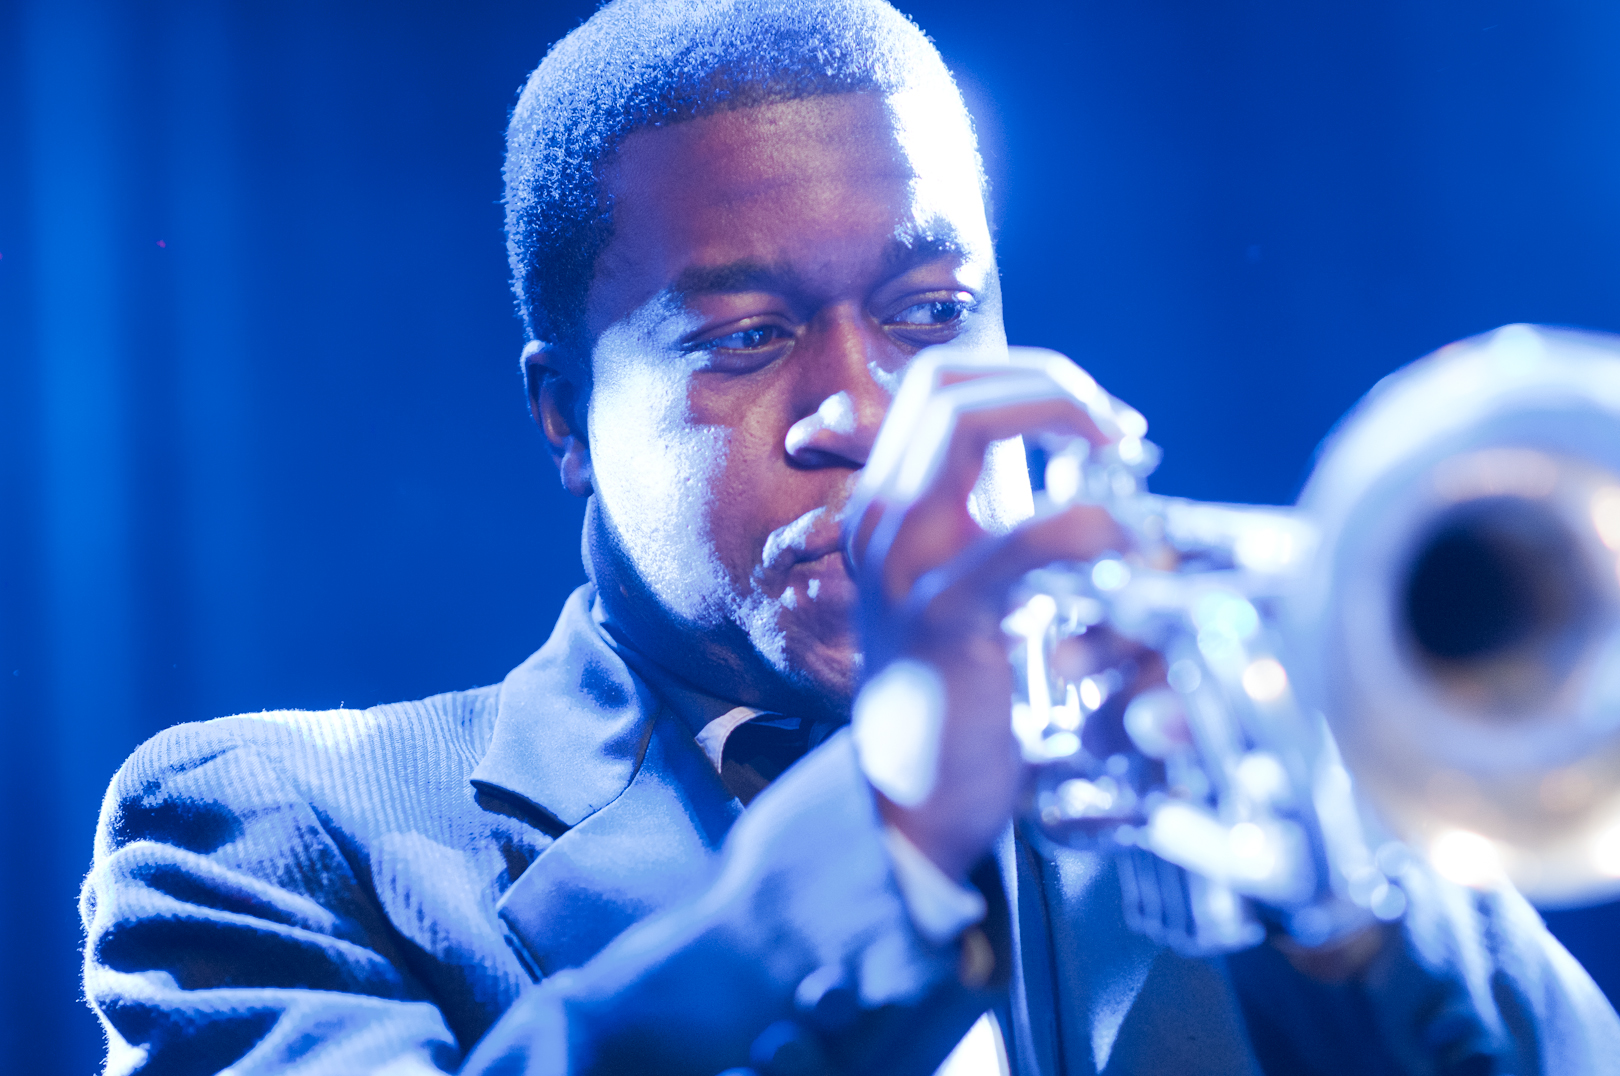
(935,583)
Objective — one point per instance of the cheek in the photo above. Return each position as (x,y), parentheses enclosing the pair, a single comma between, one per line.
(656,474)
(1001,499)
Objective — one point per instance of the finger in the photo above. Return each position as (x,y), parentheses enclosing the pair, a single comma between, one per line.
(927,513)
(944,453)
(1121,669)
(970,593)
(1114,416)
(921,479)
(939,368)
(1076,534)
(1101,648)
(951,363)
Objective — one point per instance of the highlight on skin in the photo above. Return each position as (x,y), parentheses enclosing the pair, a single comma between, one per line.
(657,504)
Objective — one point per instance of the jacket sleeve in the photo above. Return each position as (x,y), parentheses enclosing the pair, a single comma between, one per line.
(800,958)
(227,930)
(1469,984)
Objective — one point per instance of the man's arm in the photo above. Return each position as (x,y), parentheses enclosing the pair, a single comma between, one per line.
(803,938)
(227,927)
(1469,982)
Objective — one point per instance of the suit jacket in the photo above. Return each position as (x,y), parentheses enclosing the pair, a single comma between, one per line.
(547,876)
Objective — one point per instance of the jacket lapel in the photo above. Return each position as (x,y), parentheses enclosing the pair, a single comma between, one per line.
(1124,1004)
(571,725)
(649,849)
(1030,1021)
(641,812)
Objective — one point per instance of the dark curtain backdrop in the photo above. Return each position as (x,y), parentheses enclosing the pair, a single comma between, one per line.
(262,441)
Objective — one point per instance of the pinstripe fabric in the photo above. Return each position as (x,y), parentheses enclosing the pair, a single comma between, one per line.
(356,891)
(547,876)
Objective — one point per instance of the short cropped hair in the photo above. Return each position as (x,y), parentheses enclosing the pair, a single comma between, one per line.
(650,63)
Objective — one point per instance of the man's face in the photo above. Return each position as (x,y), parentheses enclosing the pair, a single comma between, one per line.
(772,272)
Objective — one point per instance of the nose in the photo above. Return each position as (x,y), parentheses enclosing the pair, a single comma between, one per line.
(845,387)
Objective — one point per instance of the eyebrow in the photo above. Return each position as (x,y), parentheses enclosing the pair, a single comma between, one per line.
(912,246)
(745,274)
(908,248)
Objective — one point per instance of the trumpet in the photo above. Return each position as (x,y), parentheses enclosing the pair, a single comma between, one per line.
(1419,659)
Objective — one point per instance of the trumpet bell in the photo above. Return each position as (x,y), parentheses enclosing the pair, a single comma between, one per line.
(1461,629)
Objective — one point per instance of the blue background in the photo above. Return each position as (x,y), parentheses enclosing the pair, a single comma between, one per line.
(262,440)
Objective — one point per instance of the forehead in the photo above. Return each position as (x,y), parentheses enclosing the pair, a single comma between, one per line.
(825,185)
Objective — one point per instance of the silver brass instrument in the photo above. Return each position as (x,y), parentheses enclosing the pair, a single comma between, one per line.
(1439,617)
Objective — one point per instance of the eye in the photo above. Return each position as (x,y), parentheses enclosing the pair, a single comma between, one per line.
(935,313)
(751,339)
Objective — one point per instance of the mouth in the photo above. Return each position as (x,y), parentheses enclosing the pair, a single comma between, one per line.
(812,538)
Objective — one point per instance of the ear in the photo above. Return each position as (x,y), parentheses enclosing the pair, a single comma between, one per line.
(555,399)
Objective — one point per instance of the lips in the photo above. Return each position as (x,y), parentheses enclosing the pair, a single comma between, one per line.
(811,537)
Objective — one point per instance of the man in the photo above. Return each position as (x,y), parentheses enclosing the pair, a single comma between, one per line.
(733,225)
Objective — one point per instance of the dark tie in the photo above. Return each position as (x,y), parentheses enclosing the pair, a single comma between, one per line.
(757,752)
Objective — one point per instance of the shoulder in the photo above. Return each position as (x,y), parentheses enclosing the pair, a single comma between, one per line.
(336,758)
(457,722)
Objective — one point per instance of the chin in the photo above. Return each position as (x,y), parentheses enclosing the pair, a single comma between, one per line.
(826,669)
(810,643)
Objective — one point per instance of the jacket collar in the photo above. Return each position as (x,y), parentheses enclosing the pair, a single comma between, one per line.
(572,722)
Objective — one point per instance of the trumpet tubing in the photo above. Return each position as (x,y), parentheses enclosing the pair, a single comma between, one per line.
(1422,656)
